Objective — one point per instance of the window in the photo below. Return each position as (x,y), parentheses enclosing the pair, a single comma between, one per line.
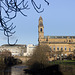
(41,29)
(54,48)
(57,48)
(50,48)
(65,49)
(69,49)
(57,55)
(61,48)
(54,55)
(69,40)
(70,55)
(62,55)
(47,39)
(64,36)
(59,36)
(65,55)
(73,36)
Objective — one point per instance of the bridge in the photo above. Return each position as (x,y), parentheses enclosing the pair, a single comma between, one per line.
(22,58)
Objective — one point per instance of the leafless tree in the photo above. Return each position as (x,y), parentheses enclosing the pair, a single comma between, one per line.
(5,53)
(59,53)
(74,52)
(12,7)
(40,55)
(52,54)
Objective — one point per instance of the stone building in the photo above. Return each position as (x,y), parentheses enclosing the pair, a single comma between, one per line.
(56,43)
(16,50)
(30,50)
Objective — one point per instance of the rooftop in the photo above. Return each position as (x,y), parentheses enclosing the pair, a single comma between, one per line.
(60,37)
(14,45)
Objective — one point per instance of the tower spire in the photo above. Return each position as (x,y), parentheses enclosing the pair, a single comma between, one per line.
(40,21)
(40,29)
(40,18)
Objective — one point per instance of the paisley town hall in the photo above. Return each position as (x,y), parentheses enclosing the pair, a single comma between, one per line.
(56,43)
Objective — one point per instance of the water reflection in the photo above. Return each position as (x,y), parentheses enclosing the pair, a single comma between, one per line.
(6,71)
(15,70)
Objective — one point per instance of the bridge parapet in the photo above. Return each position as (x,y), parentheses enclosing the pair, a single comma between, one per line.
(22,58)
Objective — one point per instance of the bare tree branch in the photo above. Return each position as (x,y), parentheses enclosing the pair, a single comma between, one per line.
(46,2)
(14,6)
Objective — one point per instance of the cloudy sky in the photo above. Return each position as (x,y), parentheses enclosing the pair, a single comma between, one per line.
(58,20)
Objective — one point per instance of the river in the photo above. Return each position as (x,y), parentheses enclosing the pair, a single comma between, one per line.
(14,70)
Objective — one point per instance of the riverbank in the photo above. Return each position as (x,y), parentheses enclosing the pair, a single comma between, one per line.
(2,65)
(65,67)
(13,70)
(8,61)
(65,62)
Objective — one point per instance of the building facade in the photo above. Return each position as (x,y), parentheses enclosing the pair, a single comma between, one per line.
(30,50)
(56,43)
(16,50)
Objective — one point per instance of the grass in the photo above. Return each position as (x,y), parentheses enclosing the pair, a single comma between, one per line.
(65,62)
(67,67)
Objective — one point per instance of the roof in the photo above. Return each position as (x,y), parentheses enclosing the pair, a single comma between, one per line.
(60,37)
(40,18)
(40,21)
(14,45)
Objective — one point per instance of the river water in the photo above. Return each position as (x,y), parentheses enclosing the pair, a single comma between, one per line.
(14,70)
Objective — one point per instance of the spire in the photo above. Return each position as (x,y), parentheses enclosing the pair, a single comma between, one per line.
(40,18)
(40,21)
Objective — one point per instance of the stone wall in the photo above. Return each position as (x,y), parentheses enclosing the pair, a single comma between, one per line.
(22,58)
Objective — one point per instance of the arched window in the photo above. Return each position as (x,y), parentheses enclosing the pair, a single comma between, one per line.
(41,29)
(61,48)
(57,48)
(65,48)
(69,40)
(54,48)
(69,49)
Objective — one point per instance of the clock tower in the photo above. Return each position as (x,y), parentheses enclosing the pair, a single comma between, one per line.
(40,29)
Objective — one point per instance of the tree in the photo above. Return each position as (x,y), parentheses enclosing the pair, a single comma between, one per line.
(74,52)
(59,54)
(39,57)
(12,7)
(6,53)
(53,54)
(73,55)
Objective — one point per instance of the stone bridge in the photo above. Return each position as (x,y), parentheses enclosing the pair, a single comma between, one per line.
(22,58)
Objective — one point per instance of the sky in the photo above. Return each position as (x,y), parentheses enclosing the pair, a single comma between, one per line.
(58,20)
